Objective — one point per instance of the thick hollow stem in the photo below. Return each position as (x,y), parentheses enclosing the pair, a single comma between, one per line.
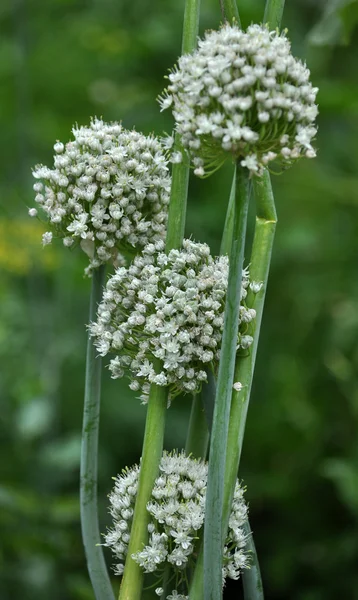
(215,486)
(229,220)
(190,26)
(180,171)
(198,433)
(89,449)
(273,12)
(178,199)
(266,220)
(251,578)
(259,269)
(260,262)
(132,582)
(244,368)
(230,11)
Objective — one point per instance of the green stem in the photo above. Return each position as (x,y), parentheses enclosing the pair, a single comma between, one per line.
(230,11)
(132,582)
(259,269)
(209,391)
(178,199)
(273,13)
(213,536)
(180,171)
(166,580)
(262,248)
(198,432)
(89,451)
(260,262)
(229,220)
(190,26)
(251,577)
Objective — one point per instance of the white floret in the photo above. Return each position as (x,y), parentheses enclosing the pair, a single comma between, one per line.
(240,92)
(108,185)
(175,521)
(163,316)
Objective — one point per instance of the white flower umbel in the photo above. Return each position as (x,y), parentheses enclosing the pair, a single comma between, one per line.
(177,511)
(171,308)
(243,93)
(109,190)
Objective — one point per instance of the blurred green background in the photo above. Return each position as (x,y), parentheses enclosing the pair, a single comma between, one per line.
(62,61)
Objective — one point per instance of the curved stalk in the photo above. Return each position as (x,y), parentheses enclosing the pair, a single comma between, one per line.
(89,450)
(213,531)
(132,582)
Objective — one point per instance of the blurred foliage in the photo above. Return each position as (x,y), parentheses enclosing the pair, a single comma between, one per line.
(337,24)
(61,62)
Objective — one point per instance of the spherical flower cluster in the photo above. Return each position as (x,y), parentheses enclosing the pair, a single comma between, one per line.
(163,316)
(177,511)
(243,93)
(109,190)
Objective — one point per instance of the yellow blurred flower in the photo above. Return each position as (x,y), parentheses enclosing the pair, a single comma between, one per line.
(21,249)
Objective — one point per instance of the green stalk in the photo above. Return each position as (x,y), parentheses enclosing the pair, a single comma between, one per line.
(273,13)
(260,262)
(132,582)
(251,578)
(178,199)
(262,249)
(198,432)
(213,531)
(209,399)
(190,26)
(230,11)
(89,451)
(180,171)
(229,220)
(259,269)
(265,227)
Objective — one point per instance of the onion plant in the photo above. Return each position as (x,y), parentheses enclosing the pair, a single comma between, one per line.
(173,318)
